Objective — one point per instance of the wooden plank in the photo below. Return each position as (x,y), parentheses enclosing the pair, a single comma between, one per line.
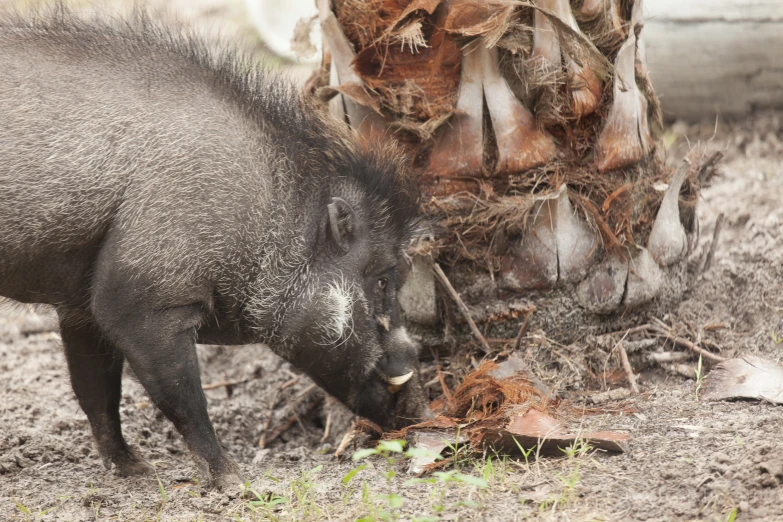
(715,57)
(689,11)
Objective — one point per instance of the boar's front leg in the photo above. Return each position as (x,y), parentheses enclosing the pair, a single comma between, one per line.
(95,367)
(159,343)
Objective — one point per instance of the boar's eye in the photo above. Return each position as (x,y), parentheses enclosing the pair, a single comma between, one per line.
(382,282)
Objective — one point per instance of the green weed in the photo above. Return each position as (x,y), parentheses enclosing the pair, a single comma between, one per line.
(525,453)
(732,515)
(387,505)
(383,506)
(29,513)
(575,453)
(303,490)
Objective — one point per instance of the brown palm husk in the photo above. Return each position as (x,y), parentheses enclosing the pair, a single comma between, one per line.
(504,412)
(416,87)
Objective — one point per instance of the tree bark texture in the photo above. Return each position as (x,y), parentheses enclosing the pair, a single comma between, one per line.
(533,128)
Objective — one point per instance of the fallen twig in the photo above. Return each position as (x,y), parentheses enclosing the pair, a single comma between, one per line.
(713,346)
(443,385)
(523,329)
(713,246)
(346,440)
(299,397)
(627,368)
(436,380)
(685,370)
(222,384)
(668,357)
(616,394)
(289,383)
(264,430)
(262,441)
(327,427)
(290,422)
(462,306)
(609,355)
(687,344)
(661,324)
(631,331)
(716,326)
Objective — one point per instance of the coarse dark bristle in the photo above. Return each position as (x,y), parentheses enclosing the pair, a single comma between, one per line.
(317,146)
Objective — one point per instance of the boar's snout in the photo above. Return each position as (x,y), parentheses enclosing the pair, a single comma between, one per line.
(393,406)
(400,358)
(394,398)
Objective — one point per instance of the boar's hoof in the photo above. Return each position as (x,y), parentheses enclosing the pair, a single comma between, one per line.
(229,482)
(227,477)
(130,464)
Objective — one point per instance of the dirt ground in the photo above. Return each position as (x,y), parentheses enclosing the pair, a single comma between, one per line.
(687,459)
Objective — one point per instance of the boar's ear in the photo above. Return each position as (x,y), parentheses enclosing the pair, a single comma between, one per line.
(342,223)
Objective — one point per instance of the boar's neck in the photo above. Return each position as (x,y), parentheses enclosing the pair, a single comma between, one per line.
(282,265)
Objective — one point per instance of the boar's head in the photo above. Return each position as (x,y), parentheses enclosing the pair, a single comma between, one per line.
(349,335)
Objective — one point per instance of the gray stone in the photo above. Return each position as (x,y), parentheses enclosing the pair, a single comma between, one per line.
(417,296)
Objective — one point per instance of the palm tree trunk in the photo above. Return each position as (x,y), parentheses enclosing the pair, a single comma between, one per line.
(535,132)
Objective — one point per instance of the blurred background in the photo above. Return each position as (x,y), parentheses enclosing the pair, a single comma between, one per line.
(707,58)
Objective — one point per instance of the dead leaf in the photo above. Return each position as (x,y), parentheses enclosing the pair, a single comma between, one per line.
(417,5)
(432,444)
(749,377)
(530,427)
(575,44)
(498,407)
(354,91)
(490,19)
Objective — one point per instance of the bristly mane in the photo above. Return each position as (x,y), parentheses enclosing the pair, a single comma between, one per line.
(269,98)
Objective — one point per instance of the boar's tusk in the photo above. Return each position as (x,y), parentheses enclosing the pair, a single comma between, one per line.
(400,379)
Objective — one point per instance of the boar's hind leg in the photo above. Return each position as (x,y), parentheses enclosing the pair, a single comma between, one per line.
(159,343)
(96,370)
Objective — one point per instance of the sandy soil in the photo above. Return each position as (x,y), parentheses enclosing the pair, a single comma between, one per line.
(688,460)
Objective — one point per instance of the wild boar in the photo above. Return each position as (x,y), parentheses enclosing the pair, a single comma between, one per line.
(158,194)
